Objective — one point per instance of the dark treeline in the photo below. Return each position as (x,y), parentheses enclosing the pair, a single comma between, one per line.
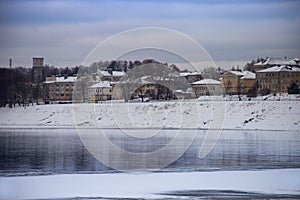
(17,87)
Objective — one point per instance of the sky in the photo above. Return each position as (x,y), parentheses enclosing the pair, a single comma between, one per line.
(65,32)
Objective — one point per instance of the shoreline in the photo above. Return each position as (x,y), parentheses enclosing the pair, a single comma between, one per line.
(37,127)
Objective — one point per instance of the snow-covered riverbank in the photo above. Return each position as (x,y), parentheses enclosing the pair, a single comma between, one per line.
(152,185)
(261,115)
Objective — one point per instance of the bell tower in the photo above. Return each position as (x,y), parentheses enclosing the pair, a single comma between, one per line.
(38,70)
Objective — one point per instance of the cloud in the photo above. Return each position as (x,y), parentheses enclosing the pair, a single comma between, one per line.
(66,31)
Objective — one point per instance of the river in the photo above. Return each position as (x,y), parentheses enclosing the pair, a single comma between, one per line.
(40,152)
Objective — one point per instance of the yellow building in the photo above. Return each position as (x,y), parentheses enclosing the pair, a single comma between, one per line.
(59,89)
(236,82)
(277,79)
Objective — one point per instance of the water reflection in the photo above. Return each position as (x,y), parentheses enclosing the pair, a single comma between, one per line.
(61,151)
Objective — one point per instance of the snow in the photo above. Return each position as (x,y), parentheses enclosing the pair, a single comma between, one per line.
(207,82)
(281,61)
(261,113)
(148,185)
(281,69)
(190,73)
(102,84)
(244,74)
(248,75)
(118,73)
(62,79)
(114,73)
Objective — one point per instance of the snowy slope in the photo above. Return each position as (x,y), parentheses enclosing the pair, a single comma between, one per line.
(264,115)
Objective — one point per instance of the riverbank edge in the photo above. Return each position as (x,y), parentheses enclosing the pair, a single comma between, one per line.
(29,127)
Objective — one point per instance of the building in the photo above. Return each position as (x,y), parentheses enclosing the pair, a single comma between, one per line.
(101,91)
(38,71)
(111,75)
(59,89)
(207,87)
(192,76)
(238,82)
(272,62)
(277,79)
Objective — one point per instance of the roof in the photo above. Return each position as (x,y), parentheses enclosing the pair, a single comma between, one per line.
(280,61)
(114,73)
(62,80)
(207,82)
(189,73)
(118,73)
(248,75)
(102,84)
(244,74)
(280,69)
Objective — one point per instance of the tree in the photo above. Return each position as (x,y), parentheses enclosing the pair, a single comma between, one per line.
(211,72)
(253,90)
(293,89)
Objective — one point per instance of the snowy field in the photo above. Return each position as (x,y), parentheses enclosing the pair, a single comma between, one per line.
(262,113)
(151,185)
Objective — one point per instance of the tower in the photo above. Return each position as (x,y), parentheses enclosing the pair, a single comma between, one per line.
(38,70)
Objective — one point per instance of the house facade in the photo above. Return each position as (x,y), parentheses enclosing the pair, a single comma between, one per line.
(206,87)
(277,79)
(238,82)
(59,89)
(101,91)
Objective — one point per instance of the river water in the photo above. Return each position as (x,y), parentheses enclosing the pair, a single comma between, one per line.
(60,151)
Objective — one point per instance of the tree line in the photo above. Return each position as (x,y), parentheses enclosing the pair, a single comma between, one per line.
(17,87)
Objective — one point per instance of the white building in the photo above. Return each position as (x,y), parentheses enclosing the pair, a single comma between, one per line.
(207,87)
(101,91)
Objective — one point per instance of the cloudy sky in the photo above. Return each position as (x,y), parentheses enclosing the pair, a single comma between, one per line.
(64,32)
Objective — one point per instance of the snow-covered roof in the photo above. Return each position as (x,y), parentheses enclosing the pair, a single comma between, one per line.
(280,69)
(62,80)
(189,73)
(244,74)
(101,84)
(114,73)
(118,73)
(68,79)
(104,73)
(248,75)
(280,61)
(259,63)
(207,82)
